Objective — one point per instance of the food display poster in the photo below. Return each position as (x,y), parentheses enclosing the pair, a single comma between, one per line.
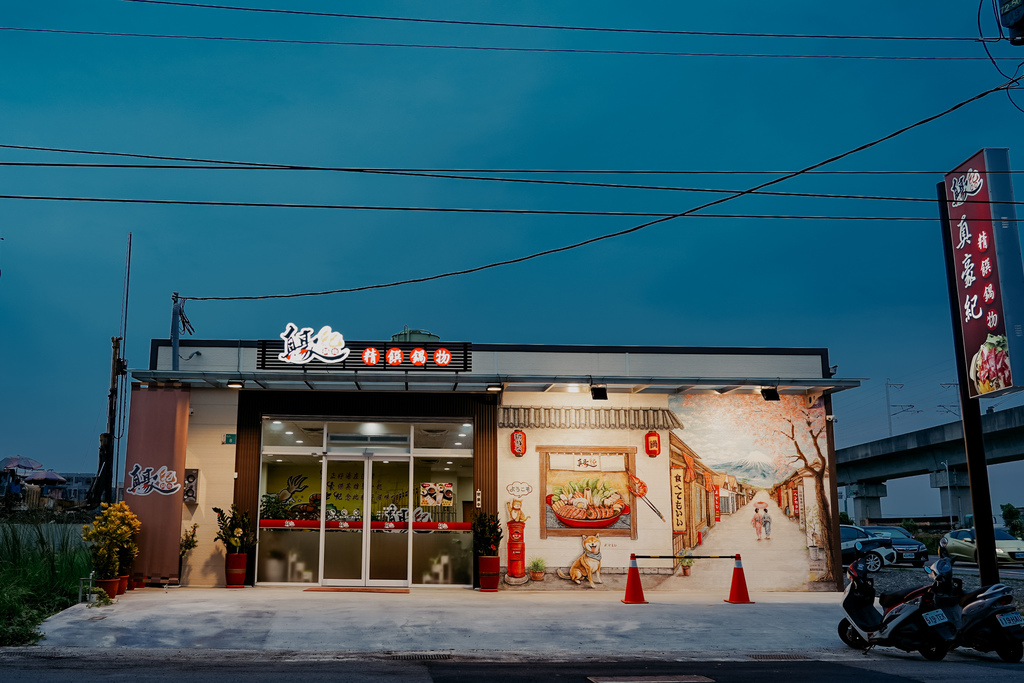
(985,258)
(437,493)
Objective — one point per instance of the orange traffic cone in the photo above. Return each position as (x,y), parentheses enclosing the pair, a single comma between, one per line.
(738,592)
(634,591)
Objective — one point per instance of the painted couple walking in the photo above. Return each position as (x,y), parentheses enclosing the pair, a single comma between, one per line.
(762,523)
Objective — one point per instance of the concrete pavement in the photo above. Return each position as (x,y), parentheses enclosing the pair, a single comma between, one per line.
(450,620)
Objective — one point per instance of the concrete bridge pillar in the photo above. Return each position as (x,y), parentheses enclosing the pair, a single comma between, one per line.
(867,501)
(954,492)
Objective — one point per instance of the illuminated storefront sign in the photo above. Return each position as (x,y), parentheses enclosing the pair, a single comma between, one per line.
(987,262)
(718,505)
(302,346)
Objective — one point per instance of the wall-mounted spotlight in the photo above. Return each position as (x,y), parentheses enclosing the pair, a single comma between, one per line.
(236,384)
(599,392)
(770,393)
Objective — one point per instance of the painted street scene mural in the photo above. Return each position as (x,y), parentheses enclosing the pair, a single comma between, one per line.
(750,476)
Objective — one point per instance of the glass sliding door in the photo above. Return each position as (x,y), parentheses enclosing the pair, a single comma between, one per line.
(343,515)
(390,523)
(366,521)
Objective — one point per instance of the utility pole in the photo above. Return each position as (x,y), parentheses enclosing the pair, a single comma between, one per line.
(949,494)
(102,489)
(888,405)
(175,329)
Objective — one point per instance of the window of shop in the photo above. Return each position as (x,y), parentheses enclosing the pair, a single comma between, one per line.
(387,504)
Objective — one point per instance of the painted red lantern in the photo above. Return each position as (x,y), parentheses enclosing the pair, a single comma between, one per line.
(517,443)
(652,443)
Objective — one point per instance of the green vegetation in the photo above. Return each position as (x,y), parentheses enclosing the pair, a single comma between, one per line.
(39,571)
(537,564)
(845,518)
(910,525)
(487,533)
(1012,520)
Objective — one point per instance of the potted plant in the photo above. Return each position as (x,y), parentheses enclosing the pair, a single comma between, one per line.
(235,530)
(685,563)
(186,544)
(111,538)
(536,568)
(487,536)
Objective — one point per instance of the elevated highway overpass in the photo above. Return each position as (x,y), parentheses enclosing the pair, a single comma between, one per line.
(866,467)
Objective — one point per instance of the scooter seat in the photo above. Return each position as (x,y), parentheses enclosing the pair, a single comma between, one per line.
(968,598)
(887,600)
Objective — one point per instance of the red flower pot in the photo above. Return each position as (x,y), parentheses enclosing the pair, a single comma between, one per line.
(490,573)
(108,585)
(234,570)
(122,584)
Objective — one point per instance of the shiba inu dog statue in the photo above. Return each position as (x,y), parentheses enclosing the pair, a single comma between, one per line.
(587,565)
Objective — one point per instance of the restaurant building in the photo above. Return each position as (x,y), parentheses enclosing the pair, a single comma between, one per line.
(363,462)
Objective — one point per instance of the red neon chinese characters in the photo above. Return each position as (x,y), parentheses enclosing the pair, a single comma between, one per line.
(395,356)
(371,356)
(442,357)
(418,357)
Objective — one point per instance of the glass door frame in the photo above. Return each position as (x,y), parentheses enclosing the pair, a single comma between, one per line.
(365,581)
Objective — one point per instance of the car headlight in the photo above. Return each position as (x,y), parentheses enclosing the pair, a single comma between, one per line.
(1000,550)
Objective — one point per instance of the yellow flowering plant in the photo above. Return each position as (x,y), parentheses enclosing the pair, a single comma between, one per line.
(111,537)
(235,530)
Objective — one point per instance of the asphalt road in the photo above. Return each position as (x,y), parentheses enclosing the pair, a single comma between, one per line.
(38,665)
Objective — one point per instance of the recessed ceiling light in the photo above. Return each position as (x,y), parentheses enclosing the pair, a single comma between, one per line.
(280,460)
(458,443)
(447,468)
(298,441)
(461,434)
(385,461)
(289,432)
(448,463)
(467,425)
(277,422)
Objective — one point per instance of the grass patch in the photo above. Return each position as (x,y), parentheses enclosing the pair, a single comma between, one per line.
(40,565)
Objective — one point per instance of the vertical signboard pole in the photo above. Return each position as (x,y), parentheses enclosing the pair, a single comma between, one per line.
(970,411)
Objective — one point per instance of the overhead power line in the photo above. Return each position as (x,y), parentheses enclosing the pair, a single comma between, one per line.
(443,209)
(551,27)
(412,169)
(495,48)
(635,228)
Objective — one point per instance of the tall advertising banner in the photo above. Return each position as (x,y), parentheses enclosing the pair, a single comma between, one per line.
(154,470)
(986,258)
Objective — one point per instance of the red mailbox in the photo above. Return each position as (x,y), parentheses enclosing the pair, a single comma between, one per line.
(516,550)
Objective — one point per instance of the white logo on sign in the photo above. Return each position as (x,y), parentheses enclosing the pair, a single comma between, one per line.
(302,346)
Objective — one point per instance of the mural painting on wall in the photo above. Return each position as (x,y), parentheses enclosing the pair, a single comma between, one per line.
(587,489)
(764,447)
(518,490)
(587,565)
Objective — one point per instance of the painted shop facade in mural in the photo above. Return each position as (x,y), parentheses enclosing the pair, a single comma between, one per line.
(362,464)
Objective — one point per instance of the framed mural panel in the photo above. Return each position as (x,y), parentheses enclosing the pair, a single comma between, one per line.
(587,488)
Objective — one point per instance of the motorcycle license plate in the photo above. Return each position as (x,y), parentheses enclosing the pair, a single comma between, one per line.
(1010,619)
(908,556)
(935,617)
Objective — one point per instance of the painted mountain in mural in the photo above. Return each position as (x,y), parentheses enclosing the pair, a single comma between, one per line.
(756,467)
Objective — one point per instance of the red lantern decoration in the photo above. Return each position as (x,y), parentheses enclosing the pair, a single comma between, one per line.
(652,443)
(517,443)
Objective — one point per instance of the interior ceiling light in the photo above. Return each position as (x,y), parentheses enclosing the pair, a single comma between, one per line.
(493,387)
(289,433)
(467,425)
(298,441)
(235,384)
(461,435)
(458,443)
(770,393)
(599,392)
(277,422)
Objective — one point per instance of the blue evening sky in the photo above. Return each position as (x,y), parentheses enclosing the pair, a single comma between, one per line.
(873,292)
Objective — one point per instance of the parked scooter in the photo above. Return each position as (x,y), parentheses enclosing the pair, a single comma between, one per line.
(990,622)
(924,619)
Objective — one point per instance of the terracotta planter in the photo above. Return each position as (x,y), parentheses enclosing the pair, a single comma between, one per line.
(490,573)
(685,570)
(108,585)
(234,570)
(130,583)
(537,576)
(122,584)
